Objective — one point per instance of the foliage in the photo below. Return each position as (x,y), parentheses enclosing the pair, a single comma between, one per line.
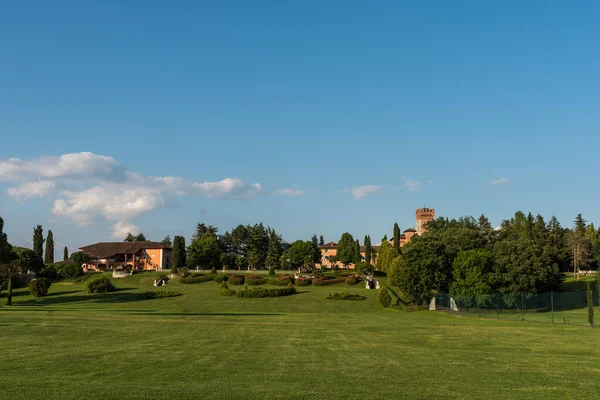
(425,268)
(396,244)
(236,279)
(326,281)
(79,258)
(351,280)
(346,249)
(271,271)
(345,296)
(258,292)
(283,280)
(39,287)
(384,299)
(49,254)
(158,294)
(364,268)
(38,242)
(101,285)
(474,273)
(179,258)
(213,270)
(357,256)
(394,271)
(65,254)
(197,279)
(303,281)
(255,280)
(167,241)
(321,241)
(68,271)
(204,252)
(140,237)
(387,253)
(301,253)
(590,305)
(368,250)
(221,278)
(225,291)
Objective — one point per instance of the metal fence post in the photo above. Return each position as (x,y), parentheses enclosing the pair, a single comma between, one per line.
(552,304)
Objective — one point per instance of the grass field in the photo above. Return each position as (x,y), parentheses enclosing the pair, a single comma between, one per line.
(74,345)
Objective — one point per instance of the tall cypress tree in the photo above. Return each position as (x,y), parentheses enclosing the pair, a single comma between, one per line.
(368,249)
(38,242)
(321,241)
(396,236)
(357,252)
(65,254)
(49,257)
(179,255)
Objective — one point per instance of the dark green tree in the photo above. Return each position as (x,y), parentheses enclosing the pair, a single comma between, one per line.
(167,241)
(65,254)
(581,247)
(79,258)
(140,237)
(201,229)
(396,237)
(368,249)
(394,271)
(321,241)
(20,261)
(38,241)
(346,249)
(357,256)
(49,256)
(300,254)
(590,305)
(475,276)
(179,254)
(204,252)
(384,299)
(275,250)
(387,253)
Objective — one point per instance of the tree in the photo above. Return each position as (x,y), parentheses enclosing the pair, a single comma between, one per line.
(396,237)
(368,249)
(300,253)
(394,271)
(38,241)
(204,252)
(65,254)
(581,247)
(475,276)
(321,241)
(6,259)
(167,241)
(590,305)
(21,260)
(387,253)
(346,249)
(357,256)
(140,237)
(275,250)
(179,256)
(202,229)
(425,268)
(384,299)
(129,237)
(79,258)
(49,257)
(257,245)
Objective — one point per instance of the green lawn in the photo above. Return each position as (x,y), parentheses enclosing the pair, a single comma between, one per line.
(73,345)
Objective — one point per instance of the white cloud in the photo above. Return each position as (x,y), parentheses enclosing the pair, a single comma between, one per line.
(97,188)
(32,189)
(360,192)
(500,181)
(293,191)
(83,166)
(121,229)
(411,184)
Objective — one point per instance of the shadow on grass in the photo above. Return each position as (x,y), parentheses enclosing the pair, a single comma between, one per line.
(208,314)
(62,293)
(398,299)
(120,295)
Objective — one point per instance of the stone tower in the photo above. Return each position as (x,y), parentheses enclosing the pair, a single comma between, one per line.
(424,215)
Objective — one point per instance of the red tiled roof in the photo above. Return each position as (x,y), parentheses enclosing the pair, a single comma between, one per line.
(108,249)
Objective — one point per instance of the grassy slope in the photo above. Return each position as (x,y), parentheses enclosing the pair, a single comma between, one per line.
(73,345)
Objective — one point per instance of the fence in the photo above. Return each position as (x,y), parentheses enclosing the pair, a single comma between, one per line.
(568,308)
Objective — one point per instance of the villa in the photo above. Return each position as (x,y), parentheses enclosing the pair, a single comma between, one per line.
(423,216)
(127,256)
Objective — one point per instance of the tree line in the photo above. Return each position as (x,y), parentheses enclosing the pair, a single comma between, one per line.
(467,257)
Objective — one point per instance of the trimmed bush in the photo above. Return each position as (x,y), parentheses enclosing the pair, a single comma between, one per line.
(345,296)
(221,278)
(384,299)
(236,279)
(225,291)
(258,292)
(351,280)
(326,281)
(255,280)
(213,270)
(283,280)
(271,271)
(197,279)
(303,281)
(69,271)
(101,285)
(39,287)
(158,294)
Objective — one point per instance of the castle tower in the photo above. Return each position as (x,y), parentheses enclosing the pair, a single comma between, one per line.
(424,215)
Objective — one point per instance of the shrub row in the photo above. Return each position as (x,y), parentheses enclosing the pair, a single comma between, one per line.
(345,296)
(283,280)
(221,278)
(197,279)
(158,294)
(325,281)
(236,279)
(351,280)
(256,292)
(101,285)
(303,281)
(255,280)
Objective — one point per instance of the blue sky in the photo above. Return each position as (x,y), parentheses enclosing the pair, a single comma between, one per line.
(428,103)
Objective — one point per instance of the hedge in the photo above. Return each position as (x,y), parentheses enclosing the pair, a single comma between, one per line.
(303,281)
(255,280)
(283,280)
(351,280)
(345,296)
(221,278)
(39,287)
(236,279)
(258,292)
(327,282)
(158,294)
(197,279)
(101,285)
